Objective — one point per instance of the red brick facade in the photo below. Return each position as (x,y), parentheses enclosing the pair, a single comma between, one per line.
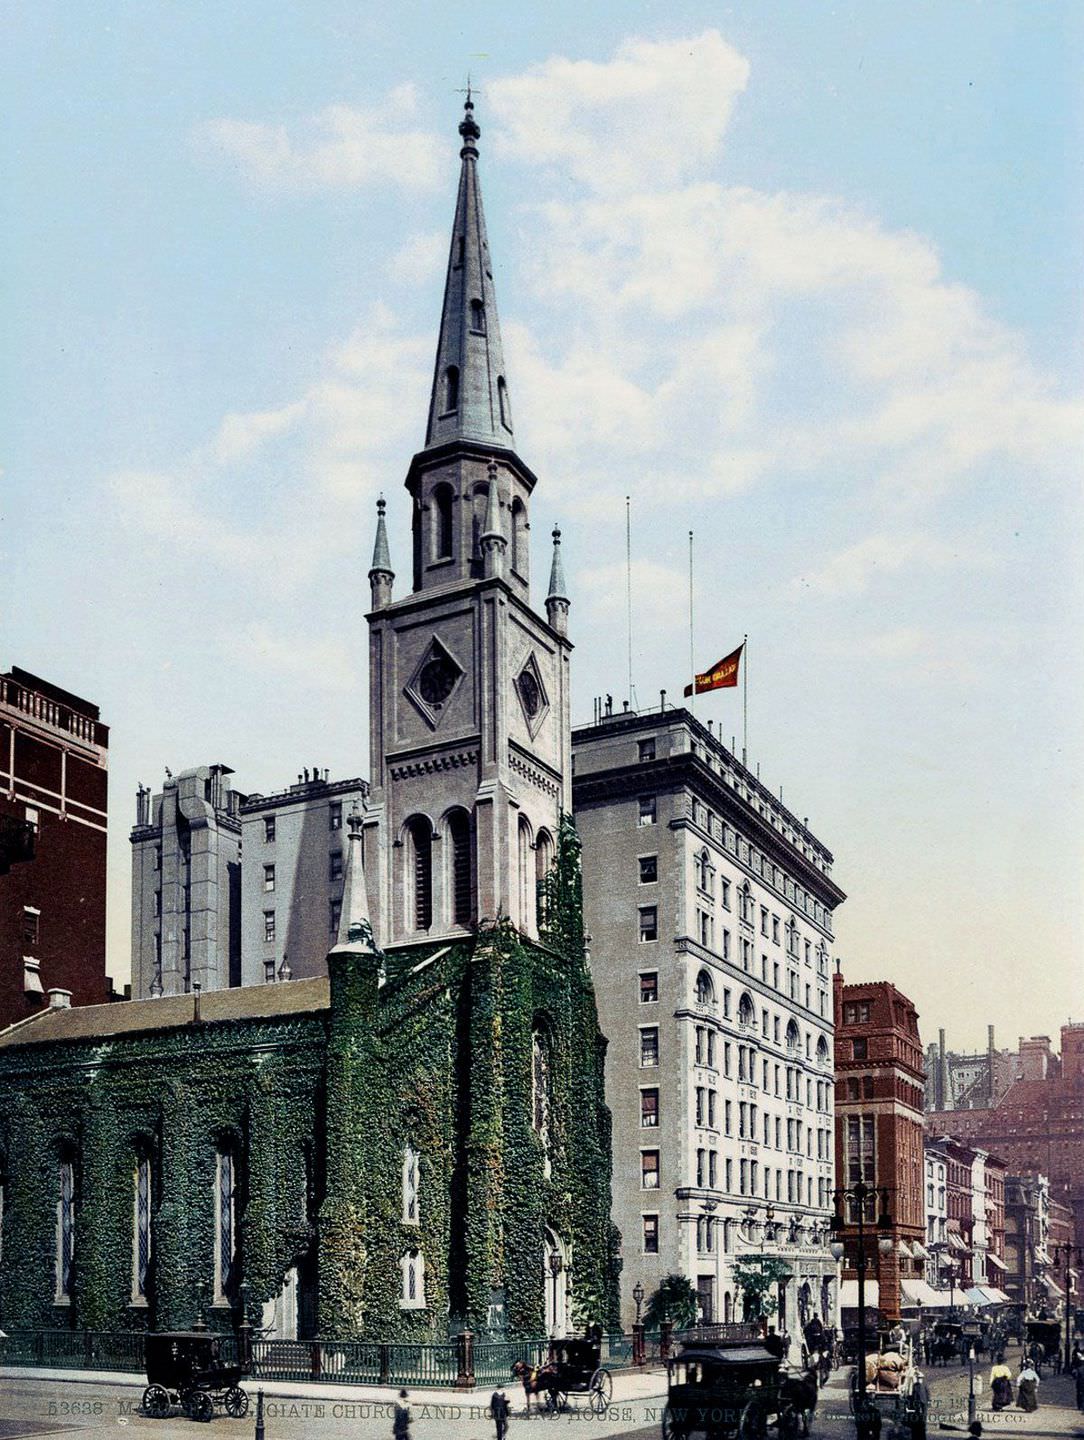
(53,786)
(880,1088)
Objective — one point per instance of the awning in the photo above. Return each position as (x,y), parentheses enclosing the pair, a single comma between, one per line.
(919,1251)
(917,1292)
(995,1261)
(1002,1298)
(848,1294)
(1054,1289)
(902,1248)
(955,1243)
(982,1295)
(937,1299)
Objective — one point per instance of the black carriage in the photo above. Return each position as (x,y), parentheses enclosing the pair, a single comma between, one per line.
(726,1390)
(574,1368)
(946,1343)
(1042,1341)
(185,1368)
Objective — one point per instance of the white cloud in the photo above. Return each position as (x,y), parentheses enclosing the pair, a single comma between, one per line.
(850,571)
(658,108)
(341,147)
(241,433)
(420,259)
(319,662)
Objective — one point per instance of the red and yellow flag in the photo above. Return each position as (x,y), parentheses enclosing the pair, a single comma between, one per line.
(723,675)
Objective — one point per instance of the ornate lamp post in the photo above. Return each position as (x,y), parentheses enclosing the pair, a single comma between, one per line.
(970,1386)
(1066,1252)
(556,1266)
(638,1297)
(949,1267)
(866,1421)
(638,1356)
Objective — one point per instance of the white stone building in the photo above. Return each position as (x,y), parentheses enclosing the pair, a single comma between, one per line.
(710,910)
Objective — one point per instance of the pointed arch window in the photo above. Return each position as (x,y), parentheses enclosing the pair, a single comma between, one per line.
(65,1228)
(420,852)
(505,405)
(451,388)
(542,1089)
(525,873)
(478,317)
(519,537)
(462,877)
(412,1268)
(442,530)
(410,1186)
(141,1227)
(225,1221)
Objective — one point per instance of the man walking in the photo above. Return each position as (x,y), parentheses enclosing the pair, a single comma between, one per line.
(401,1422)
(500,1409)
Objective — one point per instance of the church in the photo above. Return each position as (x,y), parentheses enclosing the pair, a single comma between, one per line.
(416,1140)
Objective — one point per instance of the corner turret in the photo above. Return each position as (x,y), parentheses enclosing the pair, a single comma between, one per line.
(381,575)
(557,596)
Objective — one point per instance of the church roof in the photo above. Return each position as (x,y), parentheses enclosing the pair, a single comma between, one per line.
(170,1012)
(469,399)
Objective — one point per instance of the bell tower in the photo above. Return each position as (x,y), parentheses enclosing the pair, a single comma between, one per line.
(470,747)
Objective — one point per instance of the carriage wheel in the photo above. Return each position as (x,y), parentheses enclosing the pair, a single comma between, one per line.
(556,1401)
(236,1402)
(602,1388)
(155,1402)
(671,1430)
(199,1405)
(753,1424)
(789,1424)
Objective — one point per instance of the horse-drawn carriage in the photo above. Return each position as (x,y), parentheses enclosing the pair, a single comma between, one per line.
(1042,1343)
(893,1388)
(573,1368)
(184,1368)
(734,1388)
(945,1342)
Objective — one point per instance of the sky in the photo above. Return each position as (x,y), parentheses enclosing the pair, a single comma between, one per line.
(804,279)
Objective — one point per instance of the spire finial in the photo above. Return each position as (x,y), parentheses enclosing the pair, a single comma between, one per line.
(558,587)
(381,554)
(468,126)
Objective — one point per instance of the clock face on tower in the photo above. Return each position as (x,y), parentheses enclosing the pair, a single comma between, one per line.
(437,679)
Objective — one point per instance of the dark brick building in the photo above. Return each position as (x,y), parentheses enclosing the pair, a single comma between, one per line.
(53,783)
(879,1132)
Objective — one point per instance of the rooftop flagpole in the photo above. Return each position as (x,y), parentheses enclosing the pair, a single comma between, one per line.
(745,698)
(628,588)
(692,658)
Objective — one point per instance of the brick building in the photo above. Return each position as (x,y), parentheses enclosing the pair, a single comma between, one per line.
(879,1133)
(1037,1125)
(53,783)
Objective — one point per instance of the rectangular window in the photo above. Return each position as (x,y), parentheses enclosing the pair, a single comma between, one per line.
(335,815)
(700,1105)
(268,828)
(158,857)
(649,1047)
(726,944)
(268,925)
(65,1231)
(726,1057)
(725,888)
(775,928)
(730,1177)
(700,1038)
(649,923)
(335,865)
(728,1116)
(711,1049)
(334,915)
(701,1172)
(649,1169)
(649,1109)
(705,927)
(859,1049)
(31,924)
(713,1169)
(269,972)
(651,1234)
(269,877)
(32,817)
(647,749)
(743,1177)
(649,987)
(763,920)
(647,810)
(649,869)
(141,1230)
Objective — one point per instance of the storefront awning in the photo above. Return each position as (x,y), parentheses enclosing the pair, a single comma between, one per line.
(995,1261)
(982,1295)
(955,1243)
(937,1299)
(1053,1289)
(919,1251)
(918,1293)
(902,1248)
(848,1294)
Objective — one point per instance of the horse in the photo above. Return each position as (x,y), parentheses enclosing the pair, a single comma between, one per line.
(537,1380)
(800,1392)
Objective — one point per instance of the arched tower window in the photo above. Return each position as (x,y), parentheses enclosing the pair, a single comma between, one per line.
(478,317)
(461,878)
(451,388)
(65,1225)
(479,499)
(442,527)
(420,862)
(519,537)
(705,990)
(225,1220)
(526,873)
(542,1088)
(502,397)
(142,1201)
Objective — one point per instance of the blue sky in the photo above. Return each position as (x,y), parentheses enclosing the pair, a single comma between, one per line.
(803,278)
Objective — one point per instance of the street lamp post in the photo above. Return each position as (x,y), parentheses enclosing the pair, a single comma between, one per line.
(1066,1252)
(970,1386)
(638,1347)
(865,1423)
(556,1266)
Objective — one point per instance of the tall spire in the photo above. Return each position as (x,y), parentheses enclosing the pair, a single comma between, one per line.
(381,575)
(469,399)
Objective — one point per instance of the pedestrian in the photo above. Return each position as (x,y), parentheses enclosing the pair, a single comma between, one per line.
(1000,1385)
(920,1406)
(500,1409)
(403,1419)
(1027,1385)
(1079,1380)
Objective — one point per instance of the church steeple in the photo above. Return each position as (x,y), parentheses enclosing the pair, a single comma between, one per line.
(469,400)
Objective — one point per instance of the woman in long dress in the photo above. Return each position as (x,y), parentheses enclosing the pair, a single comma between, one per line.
(1027,1385)
(1000,1385)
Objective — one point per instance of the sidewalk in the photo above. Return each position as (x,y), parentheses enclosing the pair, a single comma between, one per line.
(629,1386)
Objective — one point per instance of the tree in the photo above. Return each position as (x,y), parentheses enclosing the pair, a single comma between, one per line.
(674,1300)
(755,1275)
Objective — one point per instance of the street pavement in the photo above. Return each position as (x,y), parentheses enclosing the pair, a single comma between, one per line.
(105,1407)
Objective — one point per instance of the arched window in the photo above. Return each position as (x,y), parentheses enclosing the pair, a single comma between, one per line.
(461,878)
(412,1268)
(479,499)
(142,1200)
(747,1014)
(822,1051)
(451,388)
(705,990)
(526,873)
(225,1220)
(542,1089)
(793,1038)
(506,409)
(65,1225)
(442,529)
(410,1187)
(519,537)
(420,862)
(478,317)
(543,864)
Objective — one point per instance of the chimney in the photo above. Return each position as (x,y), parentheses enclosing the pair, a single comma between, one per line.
(60,999)
(196,988)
